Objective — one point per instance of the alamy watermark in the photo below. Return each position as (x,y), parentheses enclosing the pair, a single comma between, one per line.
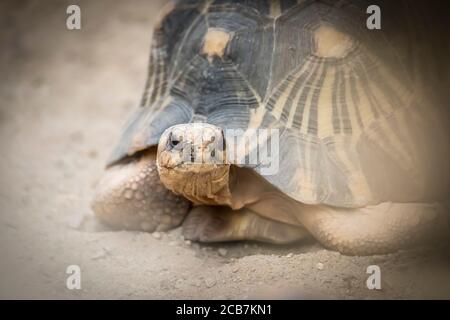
(257,148)
(73,21)
(373,22)
(374,280)
(73,281)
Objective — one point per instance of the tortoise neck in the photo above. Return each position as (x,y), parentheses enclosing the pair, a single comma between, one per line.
(206,187)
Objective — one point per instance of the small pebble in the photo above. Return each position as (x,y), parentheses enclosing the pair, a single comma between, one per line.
(178,284)
(320,266)
(289,255)
(222,252)
(187,242)
(156,235)
(92,153)
(75,222)
(210,283)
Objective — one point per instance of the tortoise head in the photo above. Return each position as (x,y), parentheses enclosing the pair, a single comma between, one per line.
(191,161)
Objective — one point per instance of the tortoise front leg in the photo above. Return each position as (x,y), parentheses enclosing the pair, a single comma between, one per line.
(131,196)
(214,224)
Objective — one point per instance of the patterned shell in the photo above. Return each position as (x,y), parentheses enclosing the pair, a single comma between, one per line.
(343,97)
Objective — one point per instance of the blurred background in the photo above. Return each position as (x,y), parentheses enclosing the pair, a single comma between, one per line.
(64,95)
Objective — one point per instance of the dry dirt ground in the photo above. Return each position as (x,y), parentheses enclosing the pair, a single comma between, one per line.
(63,97)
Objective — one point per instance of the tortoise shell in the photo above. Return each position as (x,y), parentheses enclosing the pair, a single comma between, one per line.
(343,97)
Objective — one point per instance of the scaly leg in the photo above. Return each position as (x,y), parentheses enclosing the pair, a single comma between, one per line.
(378,229)
(213,224)
(131,196)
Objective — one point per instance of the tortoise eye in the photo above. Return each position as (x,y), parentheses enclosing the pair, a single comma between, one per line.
(173,141)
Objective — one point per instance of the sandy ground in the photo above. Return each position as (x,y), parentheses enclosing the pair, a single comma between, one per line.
(63,98)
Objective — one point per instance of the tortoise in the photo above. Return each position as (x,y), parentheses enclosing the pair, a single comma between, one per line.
(351,127)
